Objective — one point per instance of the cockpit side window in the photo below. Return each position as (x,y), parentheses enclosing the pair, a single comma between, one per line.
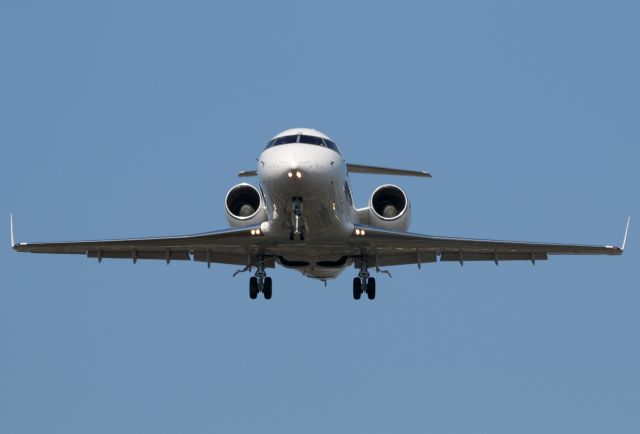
(331,145)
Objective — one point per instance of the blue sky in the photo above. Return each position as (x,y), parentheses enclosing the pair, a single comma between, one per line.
(132,118)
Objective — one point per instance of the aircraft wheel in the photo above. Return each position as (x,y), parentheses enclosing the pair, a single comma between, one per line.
(253,288)
(371,288)
(357,289)
(267,291)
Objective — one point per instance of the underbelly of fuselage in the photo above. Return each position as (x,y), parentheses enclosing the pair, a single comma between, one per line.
(321,254)
(318,267)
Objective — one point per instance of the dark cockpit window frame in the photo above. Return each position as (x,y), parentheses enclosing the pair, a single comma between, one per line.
(311,140)
(329,144)
(284,140)
(303,138)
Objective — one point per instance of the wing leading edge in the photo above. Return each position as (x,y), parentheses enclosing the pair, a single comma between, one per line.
(397,248)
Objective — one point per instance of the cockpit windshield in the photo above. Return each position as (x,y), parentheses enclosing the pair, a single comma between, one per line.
(303,138)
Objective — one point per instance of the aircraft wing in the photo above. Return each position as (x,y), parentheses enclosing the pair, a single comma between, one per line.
(389,247)
(230,246)
(375,170)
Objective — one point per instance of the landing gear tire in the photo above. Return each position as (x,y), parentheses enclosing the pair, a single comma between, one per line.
(253,288)
(267,290)
(357,288)
(371,288)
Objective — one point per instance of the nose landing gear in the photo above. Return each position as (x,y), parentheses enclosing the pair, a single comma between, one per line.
(297,231)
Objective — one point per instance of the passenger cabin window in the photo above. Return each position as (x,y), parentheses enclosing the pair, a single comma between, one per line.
(302,138)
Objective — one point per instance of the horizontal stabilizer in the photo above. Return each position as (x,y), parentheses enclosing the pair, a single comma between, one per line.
(359,168)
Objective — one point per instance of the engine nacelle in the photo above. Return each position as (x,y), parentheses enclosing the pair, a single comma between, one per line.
(244,206)
(389,208)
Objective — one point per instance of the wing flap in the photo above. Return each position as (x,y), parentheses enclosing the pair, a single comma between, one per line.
(220,258)
(391,258)
(463,256)
(172,255)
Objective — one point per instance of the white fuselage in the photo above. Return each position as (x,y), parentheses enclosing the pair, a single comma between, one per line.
(318,176)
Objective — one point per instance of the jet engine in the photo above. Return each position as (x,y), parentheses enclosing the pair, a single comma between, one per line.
(244,206)
(389,208)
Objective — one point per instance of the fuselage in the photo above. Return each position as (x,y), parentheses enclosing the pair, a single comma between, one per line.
(311,180)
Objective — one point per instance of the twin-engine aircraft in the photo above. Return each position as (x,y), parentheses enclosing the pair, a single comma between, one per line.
(302,216)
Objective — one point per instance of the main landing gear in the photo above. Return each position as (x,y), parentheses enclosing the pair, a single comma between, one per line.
(260,283)
(364,284)
(369,288)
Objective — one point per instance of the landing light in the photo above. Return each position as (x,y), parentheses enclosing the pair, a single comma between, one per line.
(255,232)
(298,174)
(359,232)
(290,174)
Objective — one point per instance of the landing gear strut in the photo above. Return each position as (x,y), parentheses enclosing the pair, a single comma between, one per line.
(260,283)
(364,284)
(297,230)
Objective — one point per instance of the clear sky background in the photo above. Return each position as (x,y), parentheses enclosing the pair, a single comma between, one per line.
(123,119)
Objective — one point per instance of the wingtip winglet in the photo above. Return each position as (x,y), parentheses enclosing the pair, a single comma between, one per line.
(13,238)
(626,232)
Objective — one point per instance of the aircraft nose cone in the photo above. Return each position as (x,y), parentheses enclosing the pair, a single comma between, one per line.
(296,168)
(295,174)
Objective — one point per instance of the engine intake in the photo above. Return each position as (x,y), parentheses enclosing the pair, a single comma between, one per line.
(244,206)
(389,207)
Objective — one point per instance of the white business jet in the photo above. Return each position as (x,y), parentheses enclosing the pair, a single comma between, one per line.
(302,216)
